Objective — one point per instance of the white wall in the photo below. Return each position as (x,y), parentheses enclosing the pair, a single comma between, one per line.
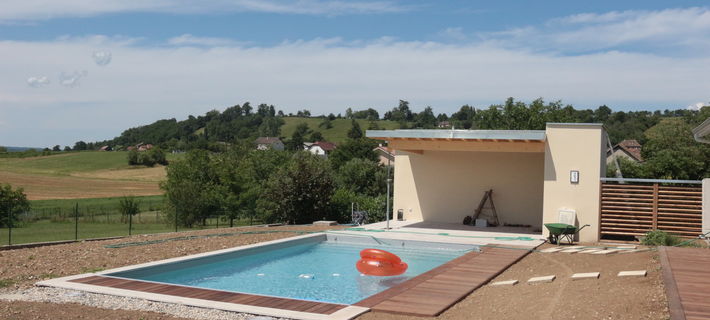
(446,186)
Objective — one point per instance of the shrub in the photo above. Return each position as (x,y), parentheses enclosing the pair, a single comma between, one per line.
(660,238)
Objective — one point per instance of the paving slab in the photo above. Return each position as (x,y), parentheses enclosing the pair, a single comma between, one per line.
(637,273)
(551,250)
(572,250)
(590,251)
(629,251)
(586,275)
(505,283)
(625,247)
(541,279)
(606,251)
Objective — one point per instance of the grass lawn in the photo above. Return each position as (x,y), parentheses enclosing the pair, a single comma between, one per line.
(45,208)
(71,162)
(339,131)
(143,223)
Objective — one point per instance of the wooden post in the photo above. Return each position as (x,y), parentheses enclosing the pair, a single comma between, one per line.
(655,207)
(76,221)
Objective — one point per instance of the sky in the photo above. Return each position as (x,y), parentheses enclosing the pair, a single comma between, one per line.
(86,70)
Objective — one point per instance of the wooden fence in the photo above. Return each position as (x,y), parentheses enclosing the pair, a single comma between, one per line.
(634,209)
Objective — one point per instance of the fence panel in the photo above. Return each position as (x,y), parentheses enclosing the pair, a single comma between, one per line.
(634,209)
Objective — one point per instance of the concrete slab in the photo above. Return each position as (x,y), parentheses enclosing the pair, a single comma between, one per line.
(606,251)
(629,251)
(551,250)
(637,273)
(590,251)
(587,275)
(541,279)
(572,250)
(625,247)
(325,223)
(505,283)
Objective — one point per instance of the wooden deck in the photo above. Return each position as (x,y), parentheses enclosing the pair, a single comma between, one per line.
(213,295)
(686,275)
(431,293)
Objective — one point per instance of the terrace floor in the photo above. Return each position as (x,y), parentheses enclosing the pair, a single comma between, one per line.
(452,233)
(687,280)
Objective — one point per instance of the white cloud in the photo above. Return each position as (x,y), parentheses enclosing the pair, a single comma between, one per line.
(71,79)
(324,75)
(190,40)
(101,58)
(38,82)
(671,31)
(698,105)
(14,11)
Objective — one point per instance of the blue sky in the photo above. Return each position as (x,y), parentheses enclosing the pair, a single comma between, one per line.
(87,69)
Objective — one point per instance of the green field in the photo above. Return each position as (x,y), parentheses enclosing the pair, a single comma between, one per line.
(92,206)
(339,131)
(70,162)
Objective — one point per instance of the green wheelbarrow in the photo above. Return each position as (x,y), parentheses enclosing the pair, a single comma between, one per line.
(560,231)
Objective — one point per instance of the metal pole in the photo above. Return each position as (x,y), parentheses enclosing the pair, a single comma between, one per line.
(130,223)
(76,221)
(9,226)
(389,181)
(176,220)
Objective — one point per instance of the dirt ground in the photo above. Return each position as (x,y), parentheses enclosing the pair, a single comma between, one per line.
(608,297)
(41,187)
(155,174)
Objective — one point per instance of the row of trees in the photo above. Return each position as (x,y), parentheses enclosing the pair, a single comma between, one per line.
(276,186)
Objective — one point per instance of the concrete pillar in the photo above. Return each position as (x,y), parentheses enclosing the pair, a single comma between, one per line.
(706,205)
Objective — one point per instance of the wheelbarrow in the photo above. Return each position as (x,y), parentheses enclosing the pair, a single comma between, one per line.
(560,231)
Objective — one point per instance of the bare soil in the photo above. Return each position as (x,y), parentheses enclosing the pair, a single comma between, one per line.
(42,187)
(155,174)
(608,297)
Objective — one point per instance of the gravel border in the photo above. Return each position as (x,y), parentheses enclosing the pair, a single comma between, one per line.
(57,295)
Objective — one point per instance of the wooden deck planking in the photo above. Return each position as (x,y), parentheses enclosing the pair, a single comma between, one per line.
(433,292)
(686,276)
(213,295)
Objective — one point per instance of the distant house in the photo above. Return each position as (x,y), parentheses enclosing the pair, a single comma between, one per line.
(444,124)
(320,148)
(106,148)
(144,147)
(265,143)
(629,149)
(385,154)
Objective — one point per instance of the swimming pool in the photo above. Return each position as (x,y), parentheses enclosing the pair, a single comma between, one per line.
(315,268)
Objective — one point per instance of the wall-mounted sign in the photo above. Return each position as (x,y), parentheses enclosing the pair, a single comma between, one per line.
(574,176)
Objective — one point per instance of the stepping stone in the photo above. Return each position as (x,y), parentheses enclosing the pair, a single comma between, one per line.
(572,250)
(638,273)
(606,251)
(541,279)
(550,250)
(575,247)
(590,251)
(505,283)
(629,251)
(625,247)
(588,275)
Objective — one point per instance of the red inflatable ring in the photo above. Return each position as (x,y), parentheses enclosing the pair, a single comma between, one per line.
(376,262)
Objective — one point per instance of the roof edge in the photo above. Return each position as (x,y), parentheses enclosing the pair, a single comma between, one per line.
(573,125)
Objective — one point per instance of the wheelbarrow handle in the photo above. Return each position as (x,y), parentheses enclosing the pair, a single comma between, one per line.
(580,229)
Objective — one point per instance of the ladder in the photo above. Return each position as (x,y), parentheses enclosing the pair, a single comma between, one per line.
(487,197)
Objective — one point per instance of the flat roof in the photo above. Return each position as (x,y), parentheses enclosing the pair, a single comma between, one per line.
(536,135)
(702,130)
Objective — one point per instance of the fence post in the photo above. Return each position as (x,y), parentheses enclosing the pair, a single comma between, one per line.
(706,205)
(130,223)
(76,221)
(9,226)
(176,219)
(655,206)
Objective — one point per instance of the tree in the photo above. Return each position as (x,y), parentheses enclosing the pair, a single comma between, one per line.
(56,148)
(3,149)
(316,136)
(298,137)
(353,148)
(425,119)
(80,146)
(133,157)
(192,189)
(326,123)
(67,148)
(300,192)
(672,153)
(129,206)
(355,131)
(362,177)
(12,203)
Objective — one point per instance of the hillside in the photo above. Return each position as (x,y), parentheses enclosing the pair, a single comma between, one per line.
(339,131)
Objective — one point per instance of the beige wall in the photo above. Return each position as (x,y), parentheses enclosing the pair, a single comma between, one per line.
(446,186)
(574,147)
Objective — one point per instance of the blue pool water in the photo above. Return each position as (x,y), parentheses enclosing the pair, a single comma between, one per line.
(318,271)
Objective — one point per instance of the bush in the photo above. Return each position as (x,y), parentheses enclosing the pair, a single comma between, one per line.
(660,238)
